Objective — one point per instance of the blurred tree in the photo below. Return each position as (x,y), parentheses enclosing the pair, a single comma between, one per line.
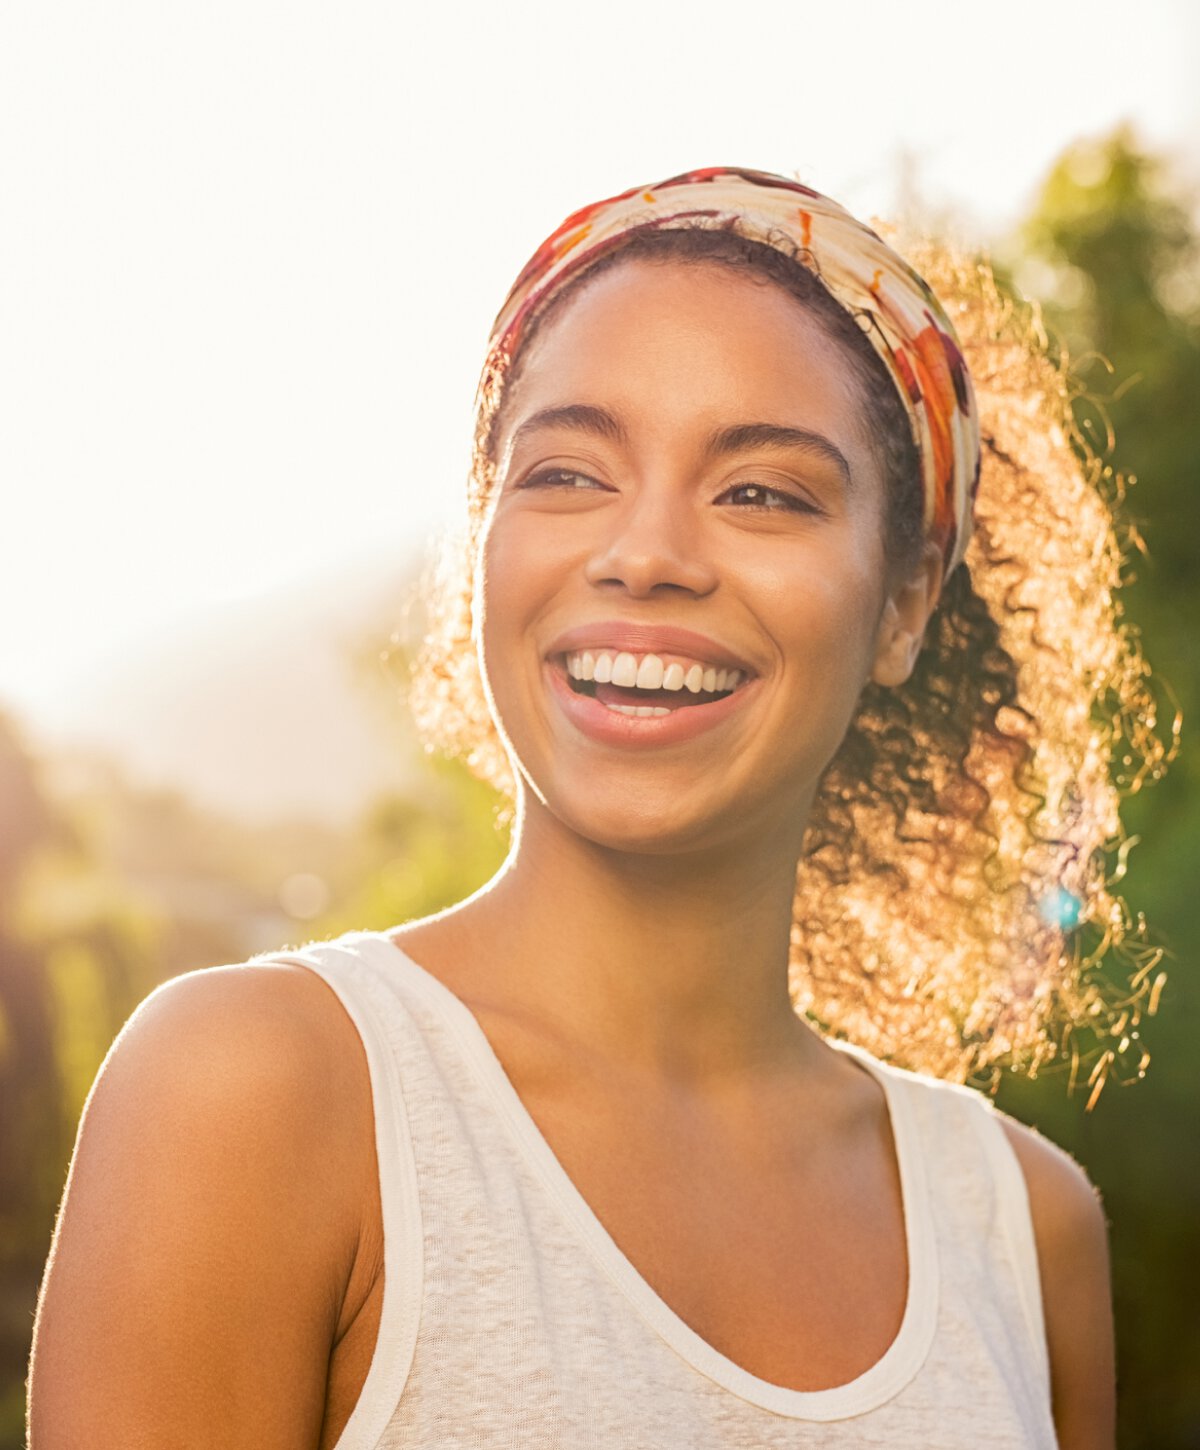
(1117,253)
(415,854)
(423,853)
(1112,249)
(31,1109)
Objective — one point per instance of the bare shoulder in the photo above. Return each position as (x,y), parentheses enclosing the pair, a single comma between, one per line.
(210,1221)
(1062,1198)
(1071,1233)
(258,1048)
(274,1021)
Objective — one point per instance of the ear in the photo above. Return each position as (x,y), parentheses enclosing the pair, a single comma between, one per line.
(906,612)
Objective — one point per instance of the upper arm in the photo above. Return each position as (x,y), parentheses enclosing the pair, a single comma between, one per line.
(207,1229)
(1072,1248)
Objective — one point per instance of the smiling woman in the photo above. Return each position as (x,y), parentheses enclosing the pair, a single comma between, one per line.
(664,1136)
(969,800)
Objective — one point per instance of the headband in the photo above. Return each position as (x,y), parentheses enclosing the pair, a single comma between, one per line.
(900,316)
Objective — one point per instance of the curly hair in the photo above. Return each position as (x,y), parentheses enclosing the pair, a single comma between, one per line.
(954,910)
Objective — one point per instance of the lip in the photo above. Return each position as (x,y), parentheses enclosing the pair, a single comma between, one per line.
(616,634)
(607,727)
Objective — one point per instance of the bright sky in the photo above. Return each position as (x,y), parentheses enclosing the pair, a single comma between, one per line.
(250,251)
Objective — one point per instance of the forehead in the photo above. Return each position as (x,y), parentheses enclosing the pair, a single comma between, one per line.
(687,338)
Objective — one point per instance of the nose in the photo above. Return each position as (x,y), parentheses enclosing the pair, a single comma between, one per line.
(652,545)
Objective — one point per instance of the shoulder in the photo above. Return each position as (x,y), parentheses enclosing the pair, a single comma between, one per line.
(1064,1203)
(245,1085)
(1071,1234)
(212,1217)
(230,1014)
(1066,1206)
(1070,1239)
(257,1063)
(268,1034)
(266,1048)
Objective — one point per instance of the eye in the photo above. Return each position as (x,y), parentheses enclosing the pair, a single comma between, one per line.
(562,478)
(762,496)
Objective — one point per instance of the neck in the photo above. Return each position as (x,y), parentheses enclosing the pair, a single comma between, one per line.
(674,964)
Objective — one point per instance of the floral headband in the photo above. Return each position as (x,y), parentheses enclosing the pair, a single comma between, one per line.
(901,317)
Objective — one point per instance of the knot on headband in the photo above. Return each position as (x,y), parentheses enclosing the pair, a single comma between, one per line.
(902,319)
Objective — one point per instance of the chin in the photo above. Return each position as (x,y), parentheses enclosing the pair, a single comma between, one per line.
(645,823)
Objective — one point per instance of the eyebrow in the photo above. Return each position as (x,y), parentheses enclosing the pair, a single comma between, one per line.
(585,418)
(580,416)
(744,436)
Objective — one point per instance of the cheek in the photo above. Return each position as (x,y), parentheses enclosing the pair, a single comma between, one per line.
(826,620)
(512,573)
(515,574)
(824,601)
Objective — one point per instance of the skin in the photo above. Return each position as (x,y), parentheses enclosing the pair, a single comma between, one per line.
(660,1056)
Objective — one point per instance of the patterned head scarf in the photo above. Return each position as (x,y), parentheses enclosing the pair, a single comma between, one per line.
(901,317)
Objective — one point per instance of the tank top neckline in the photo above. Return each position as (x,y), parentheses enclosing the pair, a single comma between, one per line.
(867,1391)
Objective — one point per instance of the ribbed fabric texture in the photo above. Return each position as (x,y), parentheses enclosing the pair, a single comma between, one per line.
(511,1318)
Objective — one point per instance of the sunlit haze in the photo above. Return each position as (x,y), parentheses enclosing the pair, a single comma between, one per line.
(251,251)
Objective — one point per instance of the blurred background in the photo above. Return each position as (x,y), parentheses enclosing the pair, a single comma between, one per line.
(250,255)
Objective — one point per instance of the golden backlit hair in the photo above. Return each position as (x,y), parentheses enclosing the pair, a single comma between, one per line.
(954,901)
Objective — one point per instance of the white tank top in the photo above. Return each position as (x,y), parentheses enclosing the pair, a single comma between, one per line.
(511,1318)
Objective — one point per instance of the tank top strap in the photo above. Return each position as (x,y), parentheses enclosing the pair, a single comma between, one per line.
(1016,1220)
(350,967)
(979,1187)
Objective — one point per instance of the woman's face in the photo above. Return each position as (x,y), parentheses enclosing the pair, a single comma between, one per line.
(685,488)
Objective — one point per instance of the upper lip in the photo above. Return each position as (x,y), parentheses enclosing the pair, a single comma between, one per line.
(616,634)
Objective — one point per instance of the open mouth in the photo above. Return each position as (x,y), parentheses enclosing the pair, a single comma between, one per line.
(647,685)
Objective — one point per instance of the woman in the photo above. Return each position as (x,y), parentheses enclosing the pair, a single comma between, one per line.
(563,1165)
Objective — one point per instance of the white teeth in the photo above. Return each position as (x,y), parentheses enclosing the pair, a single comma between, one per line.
(624,671)
(643,711)
(647,672)
(650,673)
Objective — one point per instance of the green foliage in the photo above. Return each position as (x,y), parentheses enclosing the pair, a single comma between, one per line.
(427,853)
(1113,251)
(1117,252)
(79,1015)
